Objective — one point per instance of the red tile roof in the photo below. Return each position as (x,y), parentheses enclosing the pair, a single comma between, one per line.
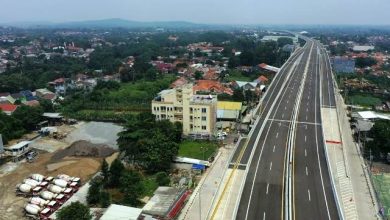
(210,85)
(179,82)
(8,107)
(263,78)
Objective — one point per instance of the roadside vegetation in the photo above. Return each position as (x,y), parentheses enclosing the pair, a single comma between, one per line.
(201,150)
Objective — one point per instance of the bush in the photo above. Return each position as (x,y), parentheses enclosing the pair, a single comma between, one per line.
(162,179)
(75,211)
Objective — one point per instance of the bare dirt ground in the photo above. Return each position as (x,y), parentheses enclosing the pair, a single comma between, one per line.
(11,174)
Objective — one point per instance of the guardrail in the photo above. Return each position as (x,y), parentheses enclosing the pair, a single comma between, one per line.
(338,204)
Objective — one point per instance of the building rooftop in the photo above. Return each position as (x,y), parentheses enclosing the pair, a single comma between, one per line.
(203,99)
(229,105)
(163,200)
(19,145)
(121,212)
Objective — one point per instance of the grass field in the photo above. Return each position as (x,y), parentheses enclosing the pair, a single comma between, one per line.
(363,100)
(195,149)
(382,186)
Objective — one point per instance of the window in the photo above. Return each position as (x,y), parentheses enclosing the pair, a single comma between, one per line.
(191,110)
(203,127)
(191,117)
(163,116)
(204,110)
(163,108)
(191,126)
(203,118)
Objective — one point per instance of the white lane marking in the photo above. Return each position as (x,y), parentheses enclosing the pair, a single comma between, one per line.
(308,97)
(273,150)
(307,172)
(305,138)
(283,115)
(306,117)
(264,216)
(285,107)
(287,101)
(305,153)
(270,166)
(277,134)
(307,109)
(267,189)
(308,193)
(306,127)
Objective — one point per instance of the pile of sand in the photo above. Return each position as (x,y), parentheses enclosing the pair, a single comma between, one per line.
(83,168)
(84,149)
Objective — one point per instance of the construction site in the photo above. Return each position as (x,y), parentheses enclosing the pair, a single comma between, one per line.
(76,150)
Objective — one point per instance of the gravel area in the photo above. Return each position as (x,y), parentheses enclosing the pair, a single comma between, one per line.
(97,133)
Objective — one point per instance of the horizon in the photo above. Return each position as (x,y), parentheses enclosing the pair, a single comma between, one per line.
(246,12)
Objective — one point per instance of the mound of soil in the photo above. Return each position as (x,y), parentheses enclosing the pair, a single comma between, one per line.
(83,149)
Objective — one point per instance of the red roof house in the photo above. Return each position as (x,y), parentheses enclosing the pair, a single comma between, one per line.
(8,108)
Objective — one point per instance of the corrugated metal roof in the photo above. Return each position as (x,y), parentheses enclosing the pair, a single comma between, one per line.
(115,212)
(228,114)
(223,105)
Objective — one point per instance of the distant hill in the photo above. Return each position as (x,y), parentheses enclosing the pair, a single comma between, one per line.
(108,23)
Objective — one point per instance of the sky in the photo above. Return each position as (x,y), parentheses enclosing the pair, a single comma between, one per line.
(356,12)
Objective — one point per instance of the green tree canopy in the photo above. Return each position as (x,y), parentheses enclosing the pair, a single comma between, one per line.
(74,211)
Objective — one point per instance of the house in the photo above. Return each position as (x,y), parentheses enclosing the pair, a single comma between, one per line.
(115,212)
(211,86)
(59,85)
(179,82)
(358,48)
(244,85)
(269,68)
(8,108)
(18,151)
(228,111)
(261,80)
(45,94)
(18,97)
(197,113)
(29,96)
(166,202)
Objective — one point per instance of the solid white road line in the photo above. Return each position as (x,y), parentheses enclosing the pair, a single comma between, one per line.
(267,189)
(270,166)
(308,194)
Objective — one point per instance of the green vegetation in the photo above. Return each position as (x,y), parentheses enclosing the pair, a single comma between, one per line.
(382,186)
(195,149)
(366,100)
(380,134)
(148,143)
(114,102)
(21,121)
(364,61)
(74,211)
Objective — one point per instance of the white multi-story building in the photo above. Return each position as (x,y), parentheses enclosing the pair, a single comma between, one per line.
(197,113)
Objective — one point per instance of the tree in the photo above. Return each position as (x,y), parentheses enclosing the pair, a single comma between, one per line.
(93,196)
(238,95)
(29,116)
(380,133)
(162,179)
(74,211)
(116,170)
(131,187)
(198,75)
(151,74)
(105,199)
(105,172)
(282,41)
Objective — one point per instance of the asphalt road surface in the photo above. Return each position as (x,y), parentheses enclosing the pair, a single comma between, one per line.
(266,153)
